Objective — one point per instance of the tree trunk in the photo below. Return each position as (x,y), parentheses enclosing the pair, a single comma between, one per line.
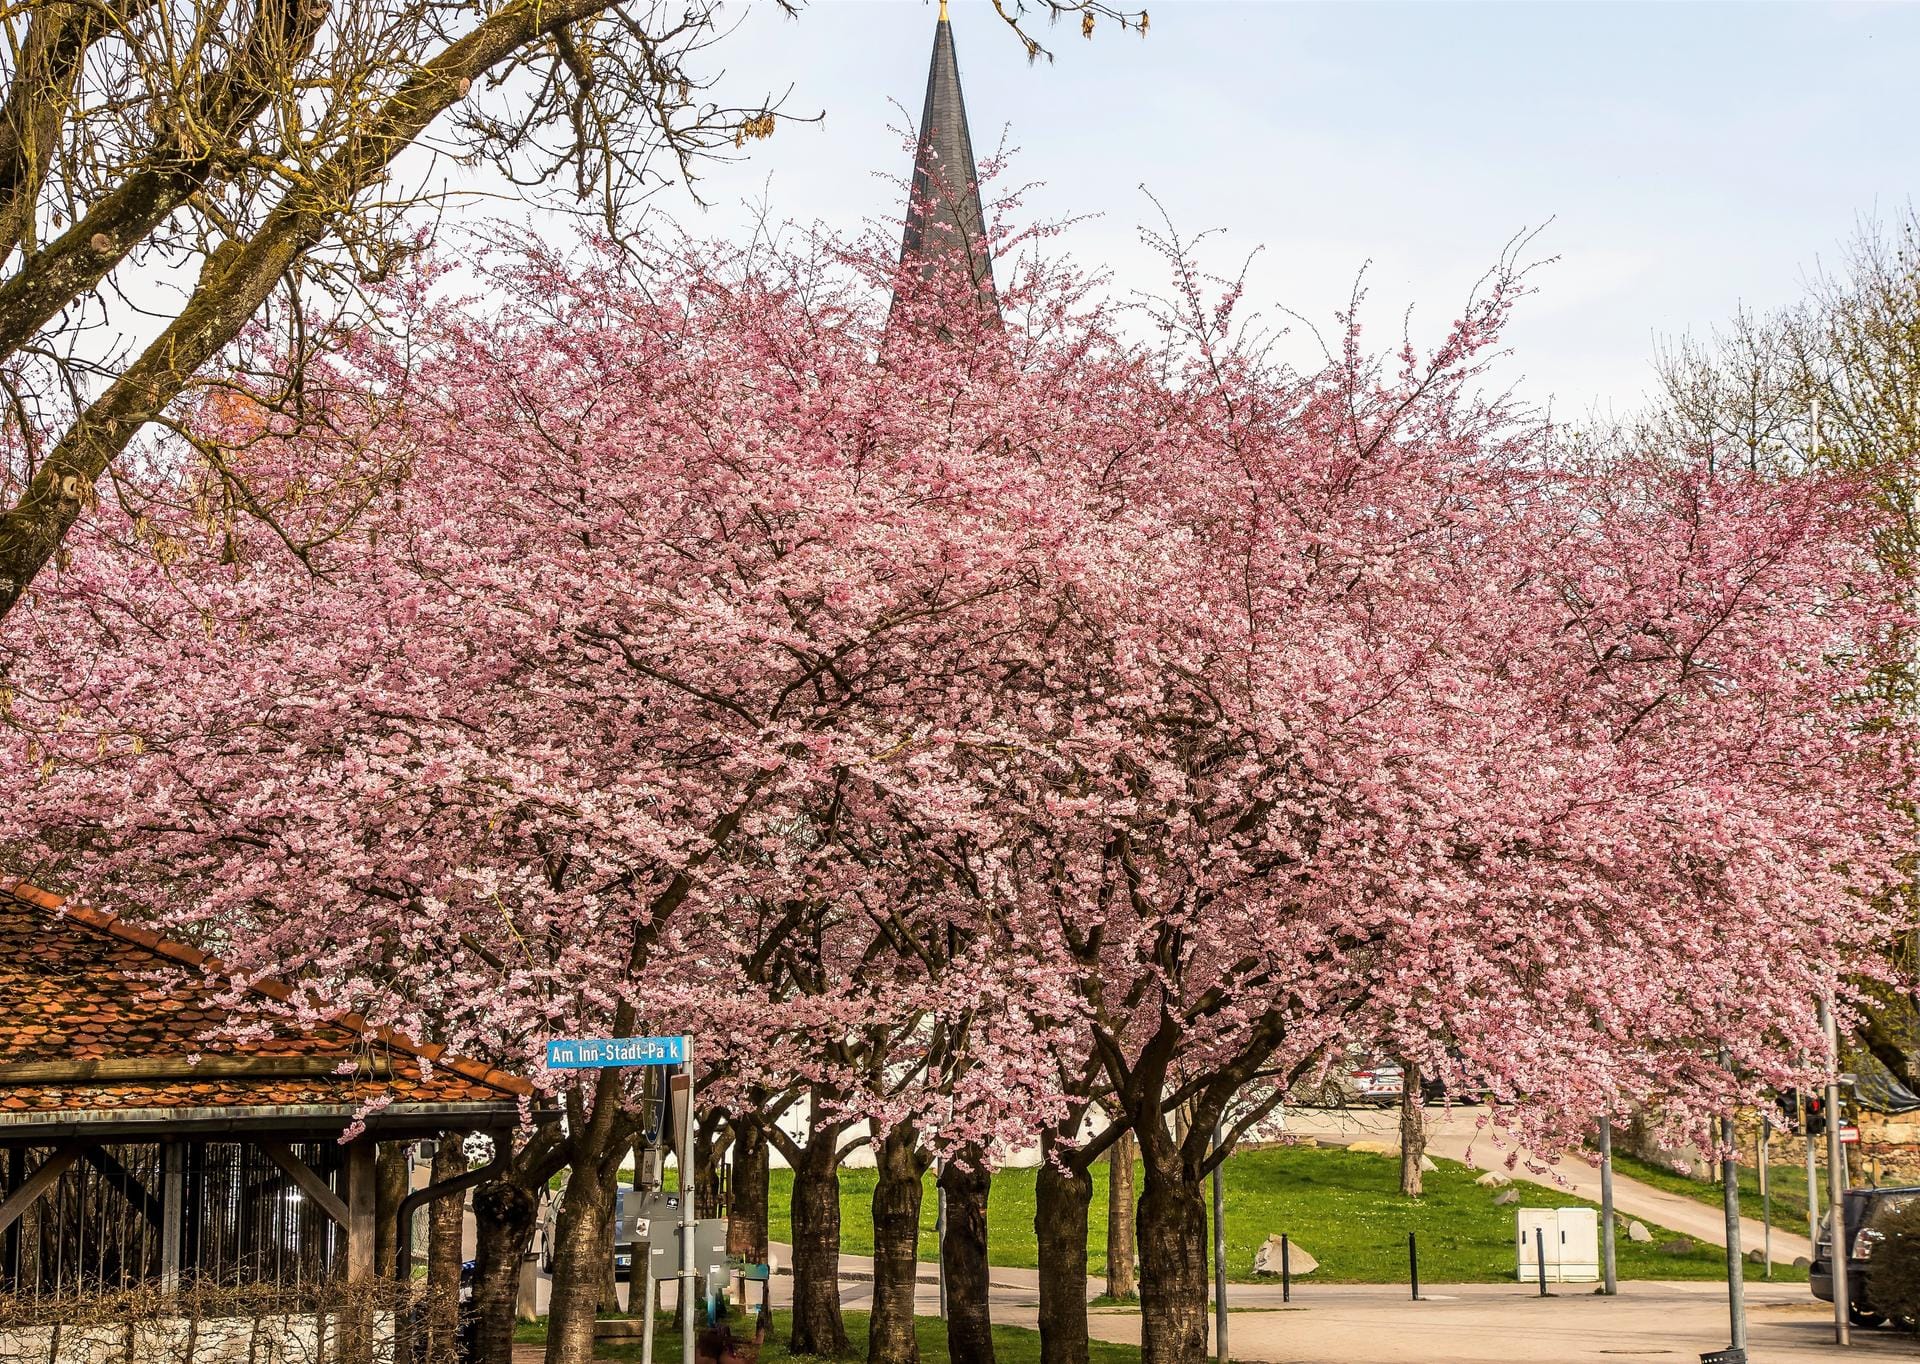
(896,1245)
(963,1257)
(817,1325)
(1062,1196)
(1122,1282)
(747,1217)
(504,1212)
(579,1262)
(1413,1130)
(1171,1225)
(609,1281)
(444,1218)
(389,1187)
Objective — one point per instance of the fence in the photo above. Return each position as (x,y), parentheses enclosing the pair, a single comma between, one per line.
(242,1220)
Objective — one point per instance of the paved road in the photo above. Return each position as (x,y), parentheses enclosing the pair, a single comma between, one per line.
(1472,1323)
(1456,1134)
(1498,1324)
(1468,1324)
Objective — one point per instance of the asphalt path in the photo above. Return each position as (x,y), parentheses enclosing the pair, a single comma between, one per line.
(1459,1324)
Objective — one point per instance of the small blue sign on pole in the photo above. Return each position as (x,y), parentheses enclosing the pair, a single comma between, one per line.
(593,1053)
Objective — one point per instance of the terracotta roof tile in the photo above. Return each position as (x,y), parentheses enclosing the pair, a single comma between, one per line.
(80,985)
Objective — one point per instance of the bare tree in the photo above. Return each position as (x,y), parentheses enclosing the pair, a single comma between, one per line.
(171,170)
(1831,383)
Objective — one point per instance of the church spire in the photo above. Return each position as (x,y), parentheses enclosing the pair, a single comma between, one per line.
(944,215)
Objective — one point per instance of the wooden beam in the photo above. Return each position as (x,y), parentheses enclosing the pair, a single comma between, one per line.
(123,1179)
(361,1194)
(173,1195)
(37,1185)
(310,1183)
(117,1068)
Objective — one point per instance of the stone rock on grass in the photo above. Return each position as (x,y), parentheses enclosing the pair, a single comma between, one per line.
(1494,1179)
(1375,1148)
(1680,1245)
(1266,1261)
(1427,1166)
(1802,1262)
(1637,1231)
(1754,1257)
(1506,1197)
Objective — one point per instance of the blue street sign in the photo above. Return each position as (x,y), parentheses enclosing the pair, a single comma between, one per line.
(591,1053)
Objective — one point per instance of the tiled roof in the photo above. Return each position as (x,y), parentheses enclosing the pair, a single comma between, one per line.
(86,998)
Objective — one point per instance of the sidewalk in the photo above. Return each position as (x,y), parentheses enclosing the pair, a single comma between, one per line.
(1464,1323)
(1502,1324)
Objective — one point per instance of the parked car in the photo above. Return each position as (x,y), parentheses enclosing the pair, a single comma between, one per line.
(1358,1079)
(1866,1210)
(622,1238)
(1370,1081)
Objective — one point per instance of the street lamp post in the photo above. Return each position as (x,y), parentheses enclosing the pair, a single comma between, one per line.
(1836,1183)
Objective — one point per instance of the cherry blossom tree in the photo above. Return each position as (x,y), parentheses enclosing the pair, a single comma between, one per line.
(640,575)
(640,578)
(966,722)
(1391,730)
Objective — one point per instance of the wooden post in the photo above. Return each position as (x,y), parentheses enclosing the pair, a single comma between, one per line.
(16,1175)
(361,1222)
(173,1190)
(356,1346)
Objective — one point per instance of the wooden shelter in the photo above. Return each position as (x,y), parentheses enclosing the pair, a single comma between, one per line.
(155,1131)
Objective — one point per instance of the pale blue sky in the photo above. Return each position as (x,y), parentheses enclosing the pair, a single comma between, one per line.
(1692,156)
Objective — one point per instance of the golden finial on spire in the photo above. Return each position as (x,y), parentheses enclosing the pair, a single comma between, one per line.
(943,11)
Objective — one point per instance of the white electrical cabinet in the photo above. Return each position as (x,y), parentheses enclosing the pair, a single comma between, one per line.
(1567,1238)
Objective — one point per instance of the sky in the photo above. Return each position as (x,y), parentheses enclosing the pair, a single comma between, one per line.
(1682,159)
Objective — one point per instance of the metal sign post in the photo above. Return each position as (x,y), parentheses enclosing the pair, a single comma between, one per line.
(1766,1198)
(683,1089)
(1219,1250)
(940,1230)
(646,1176)
(1736,1264)
(1609,1280)
(1813,1174)
(1841,1244)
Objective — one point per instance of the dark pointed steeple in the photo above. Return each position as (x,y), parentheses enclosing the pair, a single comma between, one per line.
(943,216)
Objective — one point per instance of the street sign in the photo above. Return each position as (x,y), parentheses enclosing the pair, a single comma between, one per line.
(592,1053)
(1849,1135)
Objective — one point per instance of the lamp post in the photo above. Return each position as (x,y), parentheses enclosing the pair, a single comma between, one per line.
(1609,1281)
(1219,1251)
(1836,1183)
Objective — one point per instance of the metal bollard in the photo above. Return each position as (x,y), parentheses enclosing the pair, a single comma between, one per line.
(1540,1258)
(1413,1265)
(1286,1272)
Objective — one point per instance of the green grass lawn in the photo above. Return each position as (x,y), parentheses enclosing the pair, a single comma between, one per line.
(1344,1207)
(1011,1344)
(1787,1184)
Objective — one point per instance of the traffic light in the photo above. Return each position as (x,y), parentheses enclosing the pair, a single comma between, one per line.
(1816,1110)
